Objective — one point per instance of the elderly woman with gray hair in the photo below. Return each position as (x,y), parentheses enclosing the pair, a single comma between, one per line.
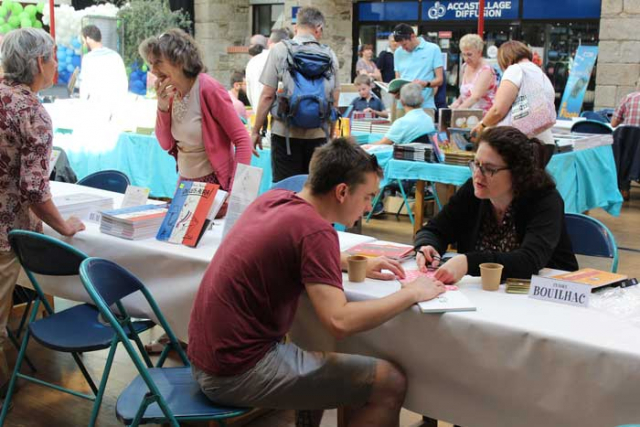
(479,83)
(196,121)
(415,125)
(26,135)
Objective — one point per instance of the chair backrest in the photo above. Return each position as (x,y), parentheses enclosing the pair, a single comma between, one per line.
(626,153)
(592,115)
(590,237)
(107,283)
(111,180)
(45,255)
(111,281)
(293,183)
(591,126)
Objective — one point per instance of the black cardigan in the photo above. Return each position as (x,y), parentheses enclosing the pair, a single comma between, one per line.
(540,227)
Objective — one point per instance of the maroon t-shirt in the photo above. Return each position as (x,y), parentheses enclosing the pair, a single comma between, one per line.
(249,293)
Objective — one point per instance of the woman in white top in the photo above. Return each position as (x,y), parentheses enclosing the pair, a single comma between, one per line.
(515,58)
(479,83)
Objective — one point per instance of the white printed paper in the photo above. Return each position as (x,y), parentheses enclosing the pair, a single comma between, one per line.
(135,196)
(246,186)
(561,291)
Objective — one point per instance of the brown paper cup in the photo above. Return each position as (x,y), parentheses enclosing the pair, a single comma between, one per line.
(490,274)
(357,268)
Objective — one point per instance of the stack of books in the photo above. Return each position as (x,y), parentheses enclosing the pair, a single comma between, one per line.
(133,223)
(518,286)
(458,158)
(414,151)
(380,126)
(361,115)
(82,205)
(361,126)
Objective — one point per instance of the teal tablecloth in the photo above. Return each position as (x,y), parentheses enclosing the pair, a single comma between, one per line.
(585,179)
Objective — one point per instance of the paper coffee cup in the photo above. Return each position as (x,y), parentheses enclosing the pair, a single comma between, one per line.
(490,274)
(357,268)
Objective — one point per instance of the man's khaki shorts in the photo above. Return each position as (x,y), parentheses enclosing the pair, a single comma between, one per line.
(288,377)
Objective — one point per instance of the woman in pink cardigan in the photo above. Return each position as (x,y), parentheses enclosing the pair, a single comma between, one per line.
(196,120)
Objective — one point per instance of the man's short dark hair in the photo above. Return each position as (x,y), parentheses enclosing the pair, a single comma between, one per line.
(279,35)
(340,161)
(237,77)
(92,32)
(402,32)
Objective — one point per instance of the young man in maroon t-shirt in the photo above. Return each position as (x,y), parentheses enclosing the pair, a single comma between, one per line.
(282,245)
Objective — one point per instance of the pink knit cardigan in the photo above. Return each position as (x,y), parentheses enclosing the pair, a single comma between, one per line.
(222,131)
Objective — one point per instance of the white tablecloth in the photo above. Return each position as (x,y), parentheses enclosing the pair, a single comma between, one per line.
(515,362)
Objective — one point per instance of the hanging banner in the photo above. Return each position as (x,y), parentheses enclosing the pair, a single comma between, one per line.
(579,77)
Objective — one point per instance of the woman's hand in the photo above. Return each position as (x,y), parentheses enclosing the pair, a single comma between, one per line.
(165,90)
(72,226)
(453,270)
(427,255)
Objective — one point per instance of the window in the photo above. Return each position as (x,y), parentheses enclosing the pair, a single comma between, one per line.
(266,16)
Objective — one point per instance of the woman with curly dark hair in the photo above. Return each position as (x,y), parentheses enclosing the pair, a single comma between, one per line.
(509,212)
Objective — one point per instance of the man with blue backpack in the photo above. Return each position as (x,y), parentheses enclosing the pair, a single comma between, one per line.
(301,92)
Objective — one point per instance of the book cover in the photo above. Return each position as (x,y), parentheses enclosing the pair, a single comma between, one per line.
(200,218)
(451,300)
(592,277)
(199,193)
(390,250)
(135,214)
(174,211)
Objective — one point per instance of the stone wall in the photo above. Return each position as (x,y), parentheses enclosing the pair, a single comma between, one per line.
(219,25)
(338,31)
(619,53)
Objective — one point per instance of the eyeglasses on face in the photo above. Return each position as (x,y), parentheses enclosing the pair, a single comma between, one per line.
(485,171)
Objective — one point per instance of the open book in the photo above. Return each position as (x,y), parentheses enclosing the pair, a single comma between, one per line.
(593,277)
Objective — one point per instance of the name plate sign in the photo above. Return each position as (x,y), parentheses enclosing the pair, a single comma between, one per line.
(560,291)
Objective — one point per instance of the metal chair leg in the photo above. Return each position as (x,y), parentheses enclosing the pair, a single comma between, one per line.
(16,344)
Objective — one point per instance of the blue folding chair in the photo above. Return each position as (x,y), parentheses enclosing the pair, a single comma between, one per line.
(593,115)
(591,126)
(157,395)
(293,183)
(590,237)
(111,180)
(74,330)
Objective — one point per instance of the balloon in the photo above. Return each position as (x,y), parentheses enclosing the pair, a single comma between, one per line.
(76,61)
(70,68)
(8,4)
(25,23)
(76,43)
(145,68)
(4,29)
(14,21)
(3,11)
(61,66)
(23,16)
(40,7)
(62,56)
(37,24)
(68,59)
(17,8)
(31,10)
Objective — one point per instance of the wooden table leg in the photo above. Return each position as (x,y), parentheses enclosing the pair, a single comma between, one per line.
(419,210)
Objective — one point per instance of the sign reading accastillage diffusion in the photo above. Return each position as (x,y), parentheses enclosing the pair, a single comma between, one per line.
(560,291)
(468,10)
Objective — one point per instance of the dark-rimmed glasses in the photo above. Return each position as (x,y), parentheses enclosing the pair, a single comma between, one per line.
(485,171)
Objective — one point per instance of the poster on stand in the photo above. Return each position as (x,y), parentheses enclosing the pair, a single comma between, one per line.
(578,81)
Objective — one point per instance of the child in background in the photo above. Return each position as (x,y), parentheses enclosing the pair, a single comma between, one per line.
(368,102)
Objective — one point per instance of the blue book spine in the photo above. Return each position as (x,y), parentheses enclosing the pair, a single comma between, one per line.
(174,211)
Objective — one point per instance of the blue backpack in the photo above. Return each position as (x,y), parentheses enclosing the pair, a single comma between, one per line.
(305,94)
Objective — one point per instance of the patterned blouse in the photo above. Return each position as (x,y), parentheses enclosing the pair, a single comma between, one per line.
(494,237)
(26,139)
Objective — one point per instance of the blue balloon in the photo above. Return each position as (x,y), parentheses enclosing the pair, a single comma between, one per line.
(76,43)
(61,56)
(76,60)
(68,59)
(70,68)
(62,66)
(69,52)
